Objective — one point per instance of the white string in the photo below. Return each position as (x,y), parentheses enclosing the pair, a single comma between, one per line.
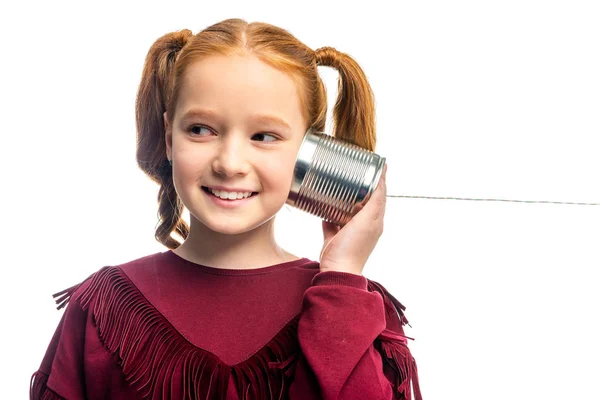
(517,201)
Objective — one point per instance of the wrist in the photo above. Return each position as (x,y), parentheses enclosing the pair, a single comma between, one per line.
(328,278)
(347,268)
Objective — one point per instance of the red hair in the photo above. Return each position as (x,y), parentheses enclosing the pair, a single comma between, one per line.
(168,58)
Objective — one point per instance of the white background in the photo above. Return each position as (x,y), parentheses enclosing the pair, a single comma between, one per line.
(483,99)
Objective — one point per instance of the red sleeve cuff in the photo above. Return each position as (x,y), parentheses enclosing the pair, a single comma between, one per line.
(340,278)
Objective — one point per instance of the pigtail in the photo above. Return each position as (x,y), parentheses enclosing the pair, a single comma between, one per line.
(354,110)
(152,99)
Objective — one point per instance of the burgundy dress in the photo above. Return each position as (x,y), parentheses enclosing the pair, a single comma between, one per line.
(162,327)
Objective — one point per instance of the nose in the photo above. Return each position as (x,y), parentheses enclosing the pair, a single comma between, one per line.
(231,158)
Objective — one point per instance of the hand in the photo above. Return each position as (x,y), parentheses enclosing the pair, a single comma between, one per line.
(347,248)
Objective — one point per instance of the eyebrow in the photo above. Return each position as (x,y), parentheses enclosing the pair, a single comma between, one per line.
(266,119)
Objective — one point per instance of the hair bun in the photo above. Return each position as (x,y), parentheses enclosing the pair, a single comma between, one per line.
(177,40)
(328,57)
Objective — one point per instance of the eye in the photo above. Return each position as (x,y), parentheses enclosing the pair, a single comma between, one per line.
(196,129)
(265,134)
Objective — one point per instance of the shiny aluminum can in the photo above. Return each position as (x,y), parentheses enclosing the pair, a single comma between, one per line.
(333,178)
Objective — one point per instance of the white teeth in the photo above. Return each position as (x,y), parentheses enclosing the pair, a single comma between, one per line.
(230,195)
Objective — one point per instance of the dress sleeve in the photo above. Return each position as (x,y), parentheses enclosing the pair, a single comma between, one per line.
(61,372)
(76,364)
(352,342)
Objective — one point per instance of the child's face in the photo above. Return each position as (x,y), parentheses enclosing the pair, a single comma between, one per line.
(231,146)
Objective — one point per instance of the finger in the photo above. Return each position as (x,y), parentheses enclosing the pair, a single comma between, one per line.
(384,184)
(329,230)
(381,184)
(373,209)
(378,196)
(375,206)
(357,207)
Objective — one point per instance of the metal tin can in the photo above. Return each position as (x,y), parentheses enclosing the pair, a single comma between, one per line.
(333,178)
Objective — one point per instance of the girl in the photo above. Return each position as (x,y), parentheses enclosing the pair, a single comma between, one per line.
(227,313)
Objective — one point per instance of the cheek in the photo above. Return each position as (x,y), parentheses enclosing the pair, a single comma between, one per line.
(190,165)
(279,172)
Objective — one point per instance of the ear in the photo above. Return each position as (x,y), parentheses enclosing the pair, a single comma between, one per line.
(168,135)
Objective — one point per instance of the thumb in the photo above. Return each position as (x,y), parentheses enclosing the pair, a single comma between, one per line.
(329,230)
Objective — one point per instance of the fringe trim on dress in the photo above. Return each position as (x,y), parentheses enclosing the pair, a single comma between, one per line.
(38,389)
(150,349)
(394,350)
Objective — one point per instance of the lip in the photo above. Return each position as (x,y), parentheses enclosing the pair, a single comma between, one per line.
(229,203)
(226,189)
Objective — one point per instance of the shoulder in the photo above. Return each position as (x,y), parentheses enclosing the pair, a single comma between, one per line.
(106,279)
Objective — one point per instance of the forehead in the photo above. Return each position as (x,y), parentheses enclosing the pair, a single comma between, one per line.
(239,85)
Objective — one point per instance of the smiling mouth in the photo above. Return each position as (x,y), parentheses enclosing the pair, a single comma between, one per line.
(207,190)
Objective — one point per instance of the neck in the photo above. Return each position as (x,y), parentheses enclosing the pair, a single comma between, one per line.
(252,249)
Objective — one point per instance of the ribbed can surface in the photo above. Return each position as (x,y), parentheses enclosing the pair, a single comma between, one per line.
(332,177)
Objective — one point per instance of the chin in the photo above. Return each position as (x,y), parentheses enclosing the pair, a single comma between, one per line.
(233,226)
